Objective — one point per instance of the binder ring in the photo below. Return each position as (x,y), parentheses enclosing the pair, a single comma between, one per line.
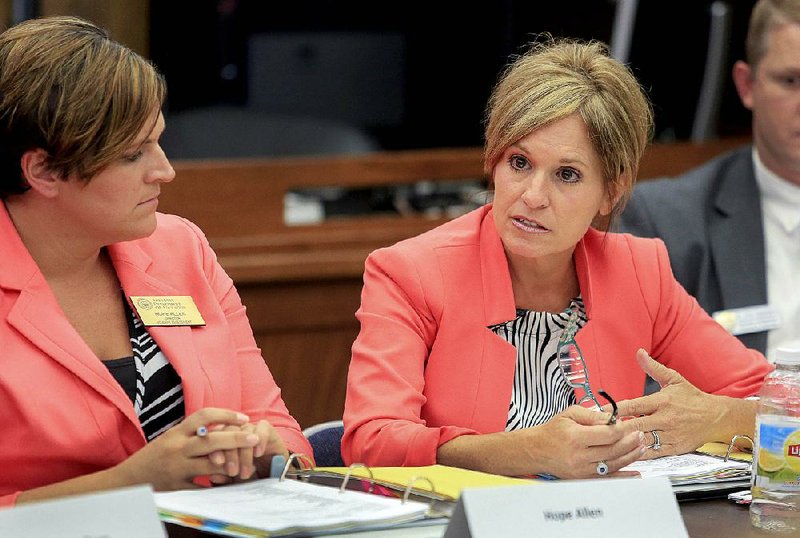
(303,461)
(410,485)
(350,471)
(732,444)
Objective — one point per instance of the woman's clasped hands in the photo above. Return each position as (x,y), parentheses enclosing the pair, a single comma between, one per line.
(218,443)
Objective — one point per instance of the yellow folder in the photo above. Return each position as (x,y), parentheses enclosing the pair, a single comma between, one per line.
(437,481)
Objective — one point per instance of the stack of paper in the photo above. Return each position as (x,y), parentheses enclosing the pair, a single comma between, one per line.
(695,472)
(273,507)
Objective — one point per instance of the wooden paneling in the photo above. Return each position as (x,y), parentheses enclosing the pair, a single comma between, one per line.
(305,330)
(126,21)
(674,158)
(302,284)
(5,14)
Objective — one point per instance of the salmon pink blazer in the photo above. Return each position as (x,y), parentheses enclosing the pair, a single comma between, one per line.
(426,367)
(62,414)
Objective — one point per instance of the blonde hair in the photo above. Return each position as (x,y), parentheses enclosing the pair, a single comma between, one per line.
(560,77)
(68,88)
(766,15)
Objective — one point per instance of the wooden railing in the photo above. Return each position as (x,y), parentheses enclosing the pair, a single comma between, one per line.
(301,284)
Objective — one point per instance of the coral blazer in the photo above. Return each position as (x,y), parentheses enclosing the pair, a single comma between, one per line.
(426,367)
(62,414)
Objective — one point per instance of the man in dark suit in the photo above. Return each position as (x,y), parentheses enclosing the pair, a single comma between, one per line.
(732,226)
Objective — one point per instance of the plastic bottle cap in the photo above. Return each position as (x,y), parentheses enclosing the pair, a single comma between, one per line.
(787,355)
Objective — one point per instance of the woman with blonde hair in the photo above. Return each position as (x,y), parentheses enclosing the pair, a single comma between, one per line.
(484,341)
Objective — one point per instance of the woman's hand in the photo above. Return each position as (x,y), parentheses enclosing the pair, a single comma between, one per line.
(176,457)
(570,445)
(683,417)
(249,462)
(574,441)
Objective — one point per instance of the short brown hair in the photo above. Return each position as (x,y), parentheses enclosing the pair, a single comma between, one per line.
(558,77)
(766,15)
(68,88)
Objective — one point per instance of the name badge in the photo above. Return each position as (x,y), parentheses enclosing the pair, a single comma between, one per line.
(167,311)
(748,319)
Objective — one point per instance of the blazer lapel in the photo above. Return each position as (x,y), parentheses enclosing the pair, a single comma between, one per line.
(135,270)
(495,378)
(37,315)
(741,277)
(739,264)
(498,294)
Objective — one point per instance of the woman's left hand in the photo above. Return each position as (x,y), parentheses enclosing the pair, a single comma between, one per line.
(683,417)
(253,462)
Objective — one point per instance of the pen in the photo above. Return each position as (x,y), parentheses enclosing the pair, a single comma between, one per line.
(202,431)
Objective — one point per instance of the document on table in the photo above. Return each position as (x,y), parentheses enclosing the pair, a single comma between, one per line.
(692,468)
(273,507)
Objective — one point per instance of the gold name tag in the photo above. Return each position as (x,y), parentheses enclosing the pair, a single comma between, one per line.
(167,311)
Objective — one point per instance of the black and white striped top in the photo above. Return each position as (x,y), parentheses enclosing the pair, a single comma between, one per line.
(540,389)
(149,380)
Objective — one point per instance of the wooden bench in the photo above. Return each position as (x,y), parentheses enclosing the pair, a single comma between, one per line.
(302,284)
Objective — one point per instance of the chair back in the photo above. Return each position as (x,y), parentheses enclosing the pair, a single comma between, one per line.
(326,440)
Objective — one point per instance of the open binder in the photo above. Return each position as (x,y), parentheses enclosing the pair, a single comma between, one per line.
(438,484)
(291,505)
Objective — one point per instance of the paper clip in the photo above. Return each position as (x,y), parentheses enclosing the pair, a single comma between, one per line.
(350,471)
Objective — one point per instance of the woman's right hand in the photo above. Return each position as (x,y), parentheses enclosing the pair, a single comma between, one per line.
(176,457)
(572,443)
(569,445)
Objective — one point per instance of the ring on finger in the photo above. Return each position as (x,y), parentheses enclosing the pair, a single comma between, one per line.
(656,445)
(602,468)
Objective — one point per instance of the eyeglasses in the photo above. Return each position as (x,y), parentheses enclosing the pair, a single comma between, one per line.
(572,365)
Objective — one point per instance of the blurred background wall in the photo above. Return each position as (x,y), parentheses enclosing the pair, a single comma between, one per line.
(388,75)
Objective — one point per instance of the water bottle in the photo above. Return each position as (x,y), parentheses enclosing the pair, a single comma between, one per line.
(776,460)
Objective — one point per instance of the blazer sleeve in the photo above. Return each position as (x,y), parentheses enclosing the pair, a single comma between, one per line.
(399,313)
(688,340)
(261,397)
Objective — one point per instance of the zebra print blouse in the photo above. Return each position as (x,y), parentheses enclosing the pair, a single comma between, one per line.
(540,390)
(149,380)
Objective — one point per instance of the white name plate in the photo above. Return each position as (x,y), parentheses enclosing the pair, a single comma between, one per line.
(119,513)
(614,507)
